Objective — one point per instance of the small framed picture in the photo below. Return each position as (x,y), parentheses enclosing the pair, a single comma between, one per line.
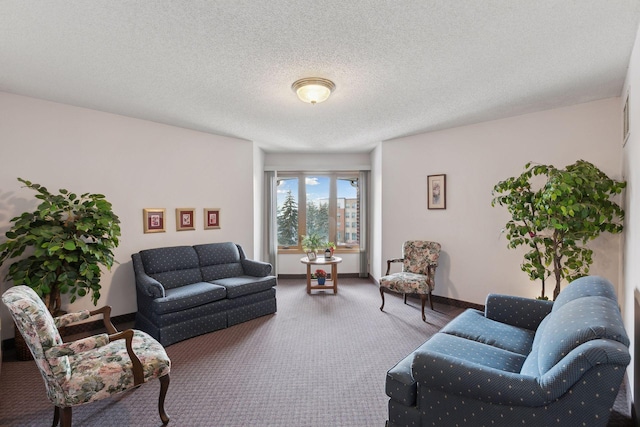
(211,218)
(437,191)
(185,219)
(311,256)
(154,220)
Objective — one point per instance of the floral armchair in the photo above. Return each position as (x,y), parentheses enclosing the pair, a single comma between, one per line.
(419,262)
(88,369)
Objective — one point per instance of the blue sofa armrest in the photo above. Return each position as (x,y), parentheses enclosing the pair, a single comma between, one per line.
(517,311)
(461,377)
(256,268)
(571,369)
(150,286)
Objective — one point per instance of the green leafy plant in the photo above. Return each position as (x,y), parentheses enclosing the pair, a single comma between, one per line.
(312,242)
(66,240)
(558,217)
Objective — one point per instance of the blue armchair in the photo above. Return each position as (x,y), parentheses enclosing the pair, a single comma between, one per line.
(521,362)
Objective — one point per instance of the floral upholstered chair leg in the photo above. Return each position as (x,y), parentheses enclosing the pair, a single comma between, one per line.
(88,369)
(419,262)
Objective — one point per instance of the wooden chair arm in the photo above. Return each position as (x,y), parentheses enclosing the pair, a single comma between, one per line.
(138,371)
(106,318)
(389,261)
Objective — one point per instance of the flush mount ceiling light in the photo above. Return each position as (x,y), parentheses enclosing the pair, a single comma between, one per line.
(313,89)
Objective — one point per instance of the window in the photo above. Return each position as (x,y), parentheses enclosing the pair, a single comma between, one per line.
(287,212)
(312,202)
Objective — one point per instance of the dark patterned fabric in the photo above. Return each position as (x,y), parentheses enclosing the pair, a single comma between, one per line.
(243,285)
(256,268)
(188,296)
(173,258)
(218,253)
(476,372)
(177,299)
(517,311)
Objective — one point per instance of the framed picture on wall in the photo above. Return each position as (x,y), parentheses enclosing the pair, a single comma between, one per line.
(185,219)
(154,220)
(437,191)
(211,218)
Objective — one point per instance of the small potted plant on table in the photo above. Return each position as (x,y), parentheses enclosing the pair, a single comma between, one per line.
(321,275)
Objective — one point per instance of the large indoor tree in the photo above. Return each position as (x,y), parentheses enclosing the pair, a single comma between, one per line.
(555,213)
(61,246)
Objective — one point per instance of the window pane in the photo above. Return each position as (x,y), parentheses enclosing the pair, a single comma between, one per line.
(347,205)
(317,193)
(288,212)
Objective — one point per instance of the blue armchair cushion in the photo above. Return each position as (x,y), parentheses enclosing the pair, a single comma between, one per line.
(473,325)
(188,296)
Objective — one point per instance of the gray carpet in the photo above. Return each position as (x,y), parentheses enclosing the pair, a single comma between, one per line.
(319,361)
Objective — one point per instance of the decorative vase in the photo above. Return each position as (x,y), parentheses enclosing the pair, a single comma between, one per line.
(321,280)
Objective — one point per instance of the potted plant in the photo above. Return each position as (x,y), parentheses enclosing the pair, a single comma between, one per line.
(312,242)
(332,247)
(321,275)
(556,218)
(66,240)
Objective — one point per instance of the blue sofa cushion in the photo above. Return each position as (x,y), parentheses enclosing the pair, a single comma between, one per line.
(586,286)
(473,325)
(517,311)
(173,266)
(219,260)
(243,285)
(188,296)
(577,322)
(474,352)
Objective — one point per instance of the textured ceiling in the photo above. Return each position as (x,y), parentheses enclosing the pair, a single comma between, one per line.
(400,67)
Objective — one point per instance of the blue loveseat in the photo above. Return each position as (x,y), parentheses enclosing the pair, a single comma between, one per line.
(521,362)
(184,291)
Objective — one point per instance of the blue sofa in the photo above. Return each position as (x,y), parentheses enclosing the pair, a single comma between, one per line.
(184,291)
(521,362)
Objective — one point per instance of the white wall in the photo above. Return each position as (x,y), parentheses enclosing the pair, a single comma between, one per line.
(137,164)
(376,213)
(475,259)
(258,204)
(631,168)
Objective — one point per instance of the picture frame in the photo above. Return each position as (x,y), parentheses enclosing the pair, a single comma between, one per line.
(311,256)
(154,220)
(437,191)
(185,219)
(211,218)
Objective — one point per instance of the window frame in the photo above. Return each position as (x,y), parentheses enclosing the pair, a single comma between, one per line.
(333,176)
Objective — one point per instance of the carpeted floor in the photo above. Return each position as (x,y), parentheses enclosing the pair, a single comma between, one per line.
(320,361)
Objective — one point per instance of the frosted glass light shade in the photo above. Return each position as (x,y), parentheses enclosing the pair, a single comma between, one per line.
(313,89)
